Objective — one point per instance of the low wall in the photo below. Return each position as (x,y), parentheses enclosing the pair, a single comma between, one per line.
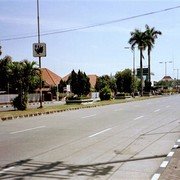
(8,98)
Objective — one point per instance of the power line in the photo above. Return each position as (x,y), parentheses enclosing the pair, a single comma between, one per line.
(91,26)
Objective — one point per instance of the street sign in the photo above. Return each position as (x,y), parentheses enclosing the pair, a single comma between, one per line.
(39,50)
(145,71)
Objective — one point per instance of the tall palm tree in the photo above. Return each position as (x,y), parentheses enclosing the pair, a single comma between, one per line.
(151,35)
(138,38)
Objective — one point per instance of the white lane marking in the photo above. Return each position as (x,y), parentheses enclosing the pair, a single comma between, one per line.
(178,140)
(30,129)
(167,106)
(88,116)
(170,154)
(99,132)
(157,110)
(155,177)
(164,164)
(139,117)
(6,169)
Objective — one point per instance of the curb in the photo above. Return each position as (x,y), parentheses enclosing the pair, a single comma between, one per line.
(46,113)
(166,161)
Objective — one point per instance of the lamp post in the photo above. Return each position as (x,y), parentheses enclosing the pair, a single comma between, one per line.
(38,27)
(165,62)
(133,52)
(177,79)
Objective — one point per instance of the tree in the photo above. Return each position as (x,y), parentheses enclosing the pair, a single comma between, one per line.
(139,38)
(25,77)
(62,84)
(79,83)
(150,35)
(105,93)
(5,70)
(106,81)
(124,81)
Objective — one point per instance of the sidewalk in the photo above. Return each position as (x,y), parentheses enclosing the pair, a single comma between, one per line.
(170,167)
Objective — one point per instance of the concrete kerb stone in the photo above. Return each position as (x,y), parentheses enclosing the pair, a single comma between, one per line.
(50,112)
(166,161)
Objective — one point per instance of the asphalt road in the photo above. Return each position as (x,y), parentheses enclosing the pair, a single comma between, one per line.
(123,141)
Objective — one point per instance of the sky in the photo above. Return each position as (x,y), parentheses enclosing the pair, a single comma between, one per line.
(96,50)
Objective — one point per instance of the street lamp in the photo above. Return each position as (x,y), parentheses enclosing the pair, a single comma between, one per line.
(177,78)
(165,62)
(133,52)
(38,27)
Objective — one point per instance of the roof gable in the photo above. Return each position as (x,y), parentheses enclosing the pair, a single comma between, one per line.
(49,77)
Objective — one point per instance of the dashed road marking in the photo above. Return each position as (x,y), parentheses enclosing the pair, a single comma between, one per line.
(99,132)
(30,129)
(157,110)
(88,116)
(139,117)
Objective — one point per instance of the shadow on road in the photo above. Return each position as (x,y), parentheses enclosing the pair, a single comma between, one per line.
(55,170)
(59,170)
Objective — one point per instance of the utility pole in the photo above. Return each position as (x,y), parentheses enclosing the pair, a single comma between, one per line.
(38,24)
(165,62)
(133,51)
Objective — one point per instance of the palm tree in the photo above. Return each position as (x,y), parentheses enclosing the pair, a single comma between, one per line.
(24,76)
(138,38)
(151,35)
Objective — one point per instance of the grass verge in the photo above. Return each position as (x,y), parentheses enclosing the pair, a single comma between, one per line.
(7,115)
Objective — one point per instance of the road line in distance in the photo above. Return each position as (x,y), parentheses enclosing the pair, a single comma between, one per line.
(30,129)
(157,110)
(139,117)
(99,132)
(88,116)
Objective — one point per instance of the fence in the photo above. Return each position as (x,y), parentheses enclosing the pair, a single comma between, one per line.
(8,98)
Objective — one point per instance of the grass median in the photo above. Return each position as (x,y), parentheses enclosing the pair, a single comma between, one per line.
(11,114)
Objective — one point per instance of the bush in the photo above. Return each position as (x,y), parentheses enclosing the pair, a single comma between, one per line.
(20,102)
(105,93)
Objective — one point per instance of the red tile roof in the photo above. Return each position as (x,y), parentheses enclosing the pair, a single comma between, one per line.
(92,79)
(167,78)
(50,78)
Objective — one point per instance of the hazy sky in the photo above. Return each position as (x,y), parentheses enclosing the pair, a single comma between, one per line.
(97,50)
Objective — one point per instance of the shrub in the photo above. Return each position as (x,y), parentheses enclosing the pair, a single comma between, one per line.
(105,93)
(20,102)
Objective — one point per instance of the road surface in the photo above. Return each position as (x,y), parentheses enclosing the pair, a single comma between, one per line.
(122,141)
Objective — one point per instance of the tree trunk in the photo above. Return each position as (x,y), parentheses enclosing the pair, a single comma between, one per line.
(149,66)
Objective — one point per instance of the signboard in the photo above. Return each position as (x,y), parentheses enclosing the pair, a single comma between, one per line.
(39,50)
(145,72)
